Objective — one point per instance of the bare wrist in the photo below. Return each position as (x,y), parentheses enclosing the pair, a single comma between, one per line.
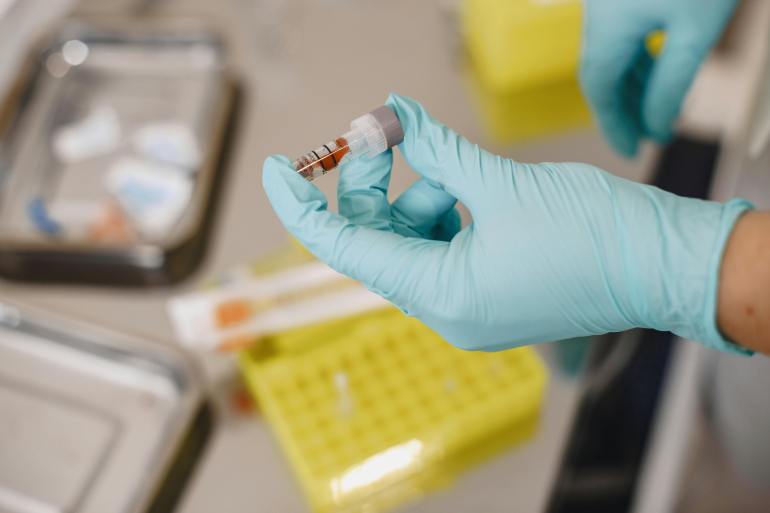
(743,302)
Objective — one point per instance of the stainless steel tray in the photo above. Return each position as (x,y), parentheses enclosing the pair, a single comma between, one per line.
(92,421)
(118,78)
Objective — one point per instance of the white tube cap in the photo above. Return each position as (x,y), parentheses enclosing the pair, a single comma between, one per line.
(380,128)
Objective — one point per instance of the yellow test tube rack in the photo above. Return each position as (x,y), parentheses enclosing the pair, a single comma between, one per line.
(377,409)
(523,65)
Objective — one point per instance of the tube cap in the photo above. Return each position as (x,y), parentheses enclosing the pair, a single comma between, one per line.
(390,124)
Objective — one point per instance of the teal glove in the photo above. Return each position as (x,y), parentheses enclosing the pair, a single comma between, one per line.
(555,251)
(632,95)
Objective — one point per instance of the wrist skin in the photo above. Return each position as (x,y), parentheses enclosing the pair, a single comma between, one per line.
(743,300)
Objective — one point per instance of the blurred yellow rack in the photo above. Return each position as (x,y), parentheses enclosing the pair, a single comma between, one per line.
(518,44)
(377,409)
(523,65)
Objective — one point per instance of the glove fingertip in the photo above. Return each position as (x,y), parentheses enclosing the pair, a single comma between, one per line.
(407,110)
(662,136)
(273,170)
(291,195)
(395,100)
(659,114)
(277,160)
(629,148)
(624,142)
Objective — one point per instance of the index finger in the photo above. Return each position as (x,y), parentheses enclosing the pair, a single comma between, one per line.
(441,155)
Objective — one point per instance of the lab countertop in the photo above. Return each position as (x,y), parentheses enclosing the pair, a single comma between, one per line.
(307,67)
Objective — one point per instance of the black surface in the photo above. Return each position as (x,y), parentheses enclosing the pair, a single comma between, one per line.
(604,455)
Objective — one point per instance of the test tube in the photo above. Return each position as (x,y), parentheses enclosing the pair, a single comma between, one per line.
(370,134)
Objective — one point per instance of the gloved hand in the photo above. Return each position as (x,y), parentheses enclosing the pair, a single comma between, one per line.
(555,251)
(632,95)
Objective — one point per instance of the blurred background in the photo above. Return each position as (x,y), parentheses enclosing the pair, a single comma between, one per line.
(141,369)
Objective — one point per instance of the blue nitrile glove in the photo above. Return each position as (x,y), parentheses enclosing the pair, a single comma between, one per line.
(632,95)
(555,251)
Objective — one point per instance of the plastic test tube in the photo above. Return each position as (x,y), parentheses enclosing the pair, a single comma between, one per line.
(370,134)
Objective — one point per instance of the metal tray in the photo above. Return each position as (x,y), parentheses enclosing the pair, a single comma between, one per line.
(144,73)
(92,421)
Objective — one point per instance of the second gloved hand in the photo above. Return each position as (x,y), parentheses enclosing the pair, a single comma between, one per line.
(633,95)
(555,251)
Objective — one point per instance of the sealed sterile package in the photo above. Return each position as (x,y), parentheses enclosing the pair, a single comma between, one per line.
(112,146)
(285,291)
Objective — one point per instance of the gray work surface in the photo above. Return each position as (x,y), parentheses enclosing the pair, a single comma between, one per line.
(308,67)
